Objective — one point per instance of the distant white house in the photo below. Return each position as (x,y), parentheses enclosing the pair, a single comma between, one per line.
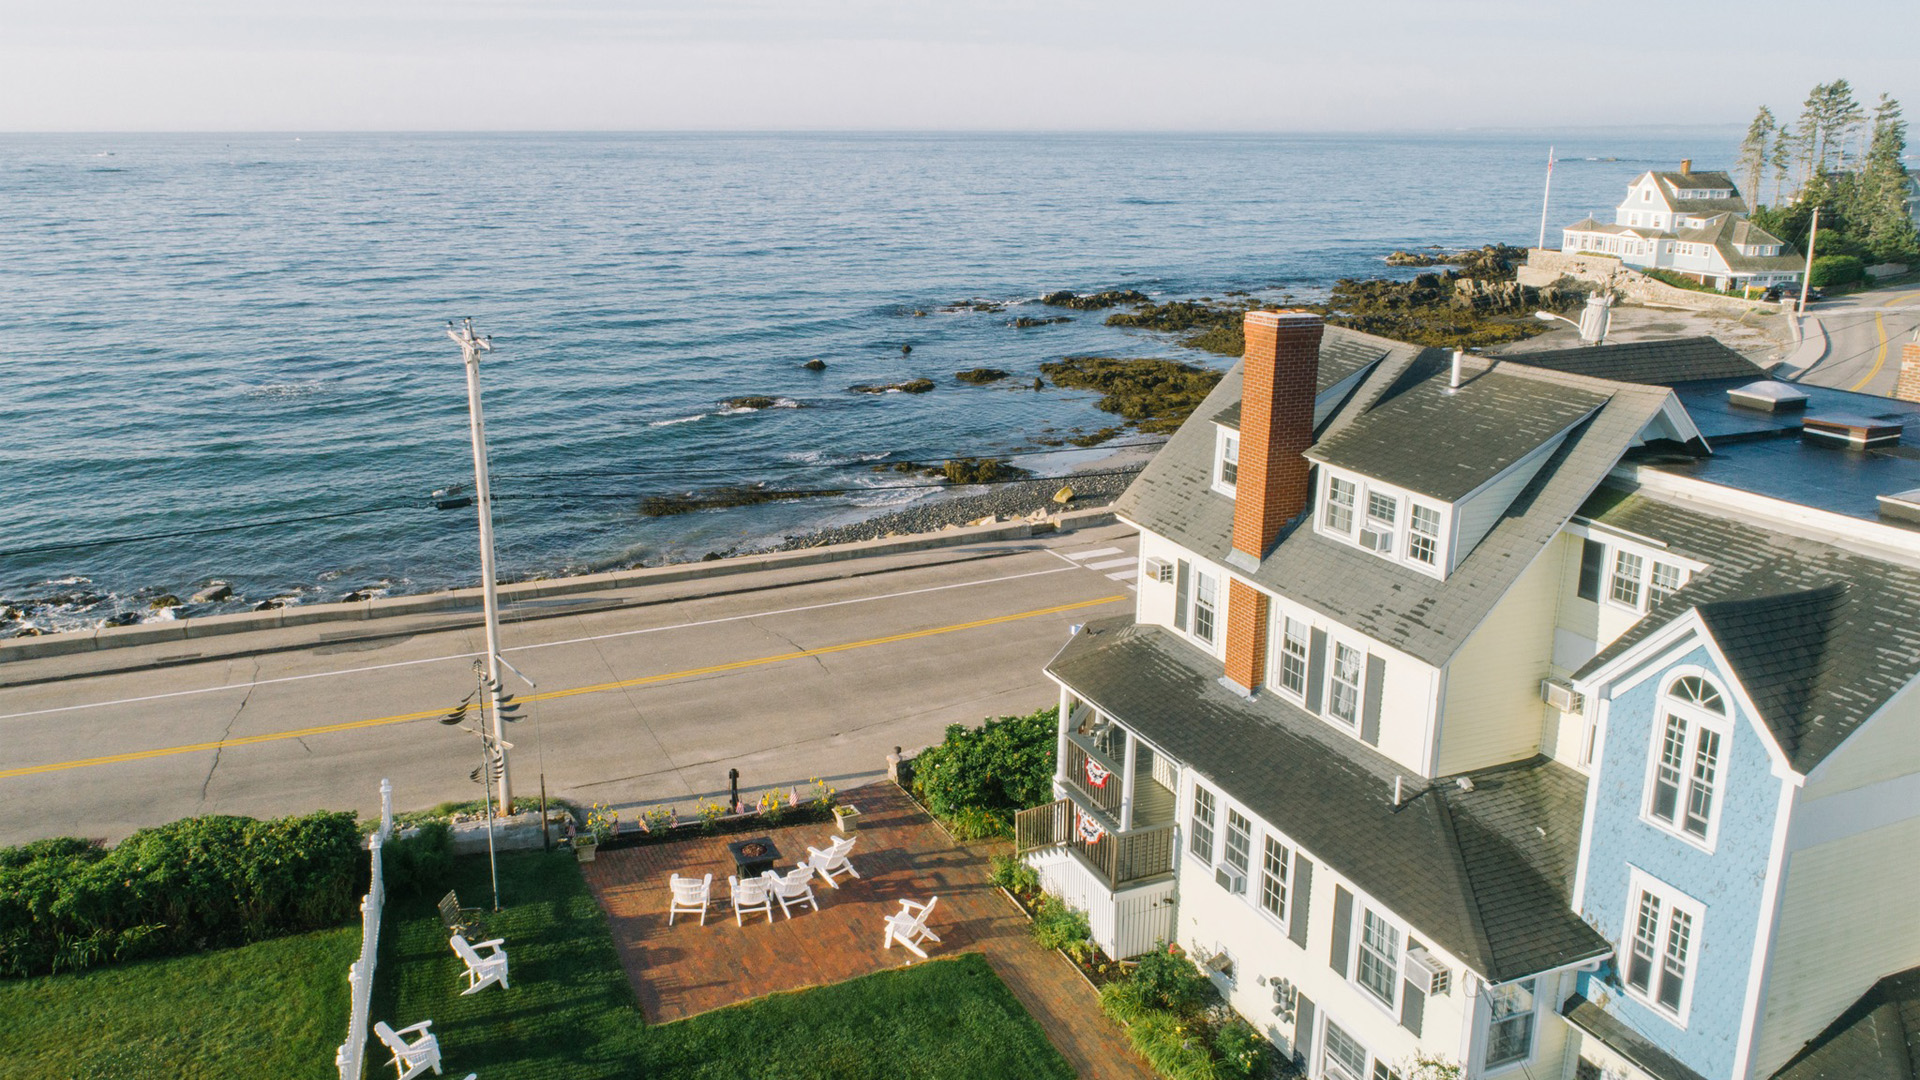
(1692,223)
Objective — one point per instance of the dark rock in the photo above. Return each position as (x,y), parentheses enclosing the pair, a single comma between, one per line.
(356,596)
(723,495)
(1155,394)
(816,364)
(968,470)
(911,386)
(1094,438)
(123,618)
(1025,321)
(751,402)
(988,306)
(28,631)
(164,600)
(905,349)
(980,375)
(1067,298)
(213,593)
(1037,384)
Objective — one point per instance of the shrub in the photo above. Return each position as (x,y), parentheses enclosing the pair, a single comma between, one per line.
(1175,1019)
(193,884)
(1012,873)
(992,771)
(1168,980)
(1836,270)
(1058,926)
(413,865)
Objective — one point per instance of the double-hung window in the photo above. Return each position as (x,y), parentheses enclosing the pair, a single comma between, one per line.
(1205,602)
(1665,582)
(1343,690)
(1275,861)
(1230,458)
(1627,568)
(1239,841)
(1683,794)
(1382,511)
(1423,534)
(1509,1023)
(1293,657)
(1665,927)
(1200,828)
(1377,966)
(1340,498)
(1345,1058)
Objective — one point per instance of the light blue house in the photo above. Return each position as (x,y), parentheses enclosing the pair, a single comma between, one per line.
(1752,831)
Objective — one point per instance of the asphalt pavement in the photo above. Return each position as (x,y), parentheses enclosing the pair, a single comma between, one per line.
(1865,332)
(646,696)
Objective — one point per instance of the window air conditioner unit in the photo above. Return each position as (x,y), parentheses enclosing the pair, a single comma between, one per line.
(1428,973)
(1159,570)
(1376,540)
(1229,878)
(1560,696)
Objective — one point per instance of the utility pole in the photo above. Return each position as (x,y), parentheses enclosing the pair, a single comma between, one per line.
(1544,197)
(470,349)
(1806,279)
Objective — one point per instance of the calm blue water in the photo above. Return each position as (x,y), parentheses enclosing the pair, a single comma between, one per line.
(203,330)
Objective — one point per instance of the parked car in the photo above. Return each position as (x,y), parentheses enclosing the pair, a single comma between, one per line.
(1776,292)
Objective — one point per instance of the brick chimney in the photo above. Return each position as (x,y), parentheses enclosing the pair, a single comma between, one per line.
(1908,386)
(1686,166)
(1276,427)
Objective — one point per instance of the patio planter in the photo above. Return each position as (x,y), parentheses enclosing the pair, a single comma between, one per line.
(584,849)
(847,818)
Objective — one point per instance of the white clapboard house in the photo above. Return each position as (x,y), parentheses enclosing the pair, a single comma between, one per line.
(1691,223)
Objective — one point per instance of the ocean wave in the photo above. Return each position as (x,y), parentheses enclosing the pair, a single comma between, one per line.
(678,420)
(736,410)
(283,390)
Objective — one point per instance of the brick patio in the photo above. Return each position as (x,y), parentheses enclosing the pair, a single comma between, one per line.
(687,968)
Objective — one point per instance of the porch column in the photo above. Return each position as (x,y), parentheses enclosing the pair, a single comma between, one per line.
(1126,784)
(1060,742)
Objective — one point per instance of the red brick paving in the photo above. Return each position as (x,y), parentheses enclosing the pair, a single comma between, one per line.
(687,968)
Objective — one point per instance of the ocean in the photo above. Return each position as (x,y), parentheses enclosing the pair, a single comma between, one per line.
(201,331)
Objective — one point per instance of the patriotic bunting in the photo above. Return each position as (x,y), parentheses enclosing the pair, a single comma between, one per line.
(1096,775)
(1089,829)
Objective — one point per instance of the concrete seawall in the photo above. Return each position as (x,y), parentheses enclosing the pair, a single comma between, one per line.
(469,600)
(1544,267)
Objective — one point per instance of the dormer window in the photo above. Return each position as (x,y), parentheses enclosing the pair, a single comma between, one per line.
(1339,515)
(1378,533)
(1423,535)
(1226,462)
(1646,194)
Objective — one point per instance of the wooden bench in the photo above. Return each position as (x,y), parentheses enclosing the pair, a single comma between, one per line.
(463,921)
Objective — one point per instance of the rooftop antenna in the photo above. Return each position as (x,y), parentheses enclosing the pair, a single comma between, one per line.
(471,346)
(1544,197)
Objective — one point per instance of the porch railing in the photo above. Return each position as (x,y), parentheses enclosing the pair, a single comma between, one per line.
(1118,858)
(1107,796)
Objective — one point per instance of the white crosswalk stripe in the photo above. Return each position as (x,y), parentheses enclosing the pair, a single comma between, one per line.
(1124,575)
(1081,556)
(1110,564)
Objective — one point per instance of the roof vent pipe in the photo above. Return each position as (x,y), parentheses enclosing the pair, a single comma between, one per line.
(1459,358)
(1399,790)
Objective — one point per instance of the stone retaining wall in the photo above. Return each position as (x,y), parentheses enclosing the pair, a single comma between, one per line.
(1544,267)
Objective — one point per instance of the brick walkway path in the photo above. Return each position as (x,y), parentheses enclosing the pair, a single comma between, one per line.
(687,968)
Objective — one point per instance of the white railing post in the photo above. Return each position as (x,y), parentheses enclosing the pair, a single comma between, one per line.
(349,1058)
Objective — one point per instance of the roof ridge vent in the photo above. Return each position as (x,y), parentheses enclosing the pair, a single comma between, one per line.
(1768,395)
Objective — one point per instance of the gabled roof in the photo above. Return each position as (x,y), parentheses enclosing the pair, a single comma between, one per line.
(1878,1038)
(1696,180)
(1654,363)
(1343,354)
(1819,637)
(1485,874)
(1625,1041)
(1425,437)
(1394,604)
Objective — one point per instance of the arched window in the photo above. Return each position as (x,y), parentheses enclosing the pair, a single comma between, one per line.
(1683,795)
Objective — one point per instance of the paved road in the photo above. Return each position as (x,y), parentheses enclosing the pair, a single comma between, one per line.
(1865,331)
(784,675)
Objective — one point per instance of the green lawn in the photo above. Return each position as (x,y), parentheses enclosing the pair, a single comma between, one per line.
(277,1008)
(571,1014)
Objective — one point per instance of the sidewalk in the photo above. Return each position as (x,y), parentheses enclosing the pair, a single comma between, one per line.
(684,969)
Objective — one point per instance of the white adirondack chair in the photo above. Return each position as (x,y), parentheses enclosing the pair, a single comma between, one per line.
(833,860)
(483,971)
(793,889)
(753,894)
(908,926)
(690,895)
(410,1058)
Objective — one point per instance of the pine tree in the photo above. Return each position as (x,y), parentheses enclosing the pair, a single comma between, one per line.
(1882,187)
(1753,152)
(1785,144)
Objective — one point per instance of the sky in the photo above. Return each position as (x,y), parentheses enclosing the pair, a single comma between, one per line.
(1278,65)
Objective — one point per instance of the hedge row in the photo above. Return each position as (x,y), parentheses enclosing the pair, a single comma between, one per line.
(979,778)
(198,883)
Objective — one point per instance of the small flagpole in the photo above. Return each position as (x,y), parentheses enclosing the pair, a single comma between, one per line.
(1544,196)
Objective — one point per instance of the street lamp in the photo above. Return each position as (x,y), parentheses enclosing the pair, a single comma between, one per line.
(470,349)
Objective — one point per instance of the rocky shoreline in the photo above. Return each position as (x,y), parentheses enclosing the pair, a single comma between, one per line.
(1002,502)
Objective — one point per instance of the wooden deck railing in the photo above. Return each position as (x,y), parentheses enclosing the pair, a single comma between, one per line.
(1108,797)
(1118,858)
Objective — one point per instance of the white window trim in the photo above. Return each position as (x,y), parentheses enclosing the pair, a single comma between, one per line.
(1321,1052)
(1404,501)
(1613,573)
(1222,435)
(1219,607)
(1276,655)
(1696,718)
(1257,884)
(1485,1011)
(1639,881)
(1361,905)
(1186,820)
(1334,645)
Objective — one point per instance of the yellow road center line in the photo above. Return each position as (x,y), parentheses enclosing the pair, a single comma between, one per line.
(624,684)
(1880,359)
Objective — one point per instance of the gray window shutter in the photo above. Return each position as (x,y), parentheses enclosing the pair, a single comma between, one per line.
(1342,928)
(1316,668)
(1302,1031)
(1180,596)
(1413,1006)
(1593,561)
(1301,899)
(1370,709)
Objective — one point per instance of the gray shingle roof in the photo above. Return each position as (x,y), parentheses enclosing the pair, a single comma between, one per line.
(1343,353)
(1878,1038)
(1655,363)
(1625,1041)
(1485,874)
(1424,437)
(1695,180)
(1819,637)
(1393,604)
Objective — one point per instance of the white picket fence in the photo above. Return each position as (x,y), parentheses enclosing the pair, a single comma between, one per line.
(351,1053)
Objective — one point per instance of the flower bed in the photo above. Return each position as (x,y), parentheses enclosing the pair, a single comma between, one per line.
(662,824)
(1055,925)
